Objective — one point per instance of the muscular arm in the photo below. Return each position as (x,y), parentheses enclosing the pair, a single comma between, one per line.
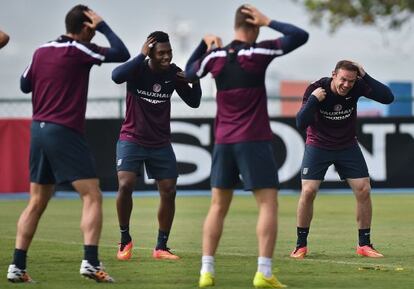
(293,35)
(124,72)
(306,114)
(193,63)
(118,51)
(379,92)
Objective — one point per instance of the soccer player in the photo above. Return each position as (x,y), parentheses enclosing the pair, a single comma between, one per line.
(329,113)
(145,136)
(4,39)
(58,79)
(242,131)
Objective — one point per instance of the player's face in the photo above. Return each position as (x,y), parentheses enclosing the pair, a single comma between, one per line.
(343,81)
(161,55)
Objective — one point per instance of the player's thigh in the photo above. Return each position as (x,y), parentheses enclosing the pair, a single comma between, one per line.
(350,163)
(316,162)
(224,171)
(162,163)
(69,154)
(257,165)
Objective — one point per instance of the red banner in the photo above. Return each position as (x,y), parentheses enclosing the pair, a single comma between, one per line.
(14,155)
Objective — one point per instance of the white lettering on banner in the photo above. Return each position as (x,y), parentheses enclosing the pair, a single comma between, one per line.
(198,156)
(407,128)
(192,154)
(376,161)
(295,148)
(294,144)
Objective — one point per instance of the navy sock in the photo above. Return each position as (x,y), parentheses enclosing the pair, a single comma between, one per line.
(302,237)
(364,237)
(162,240)
(19,258)
(125,236)
(91,254)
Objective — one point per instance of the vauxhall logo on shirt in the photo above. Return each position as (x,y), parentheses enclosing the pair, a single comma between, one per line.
(154,96)
(338,113)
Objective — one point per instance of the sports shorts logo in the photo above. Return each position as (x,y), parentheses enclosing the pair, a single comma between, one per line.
(156,87)
(119,162)
(305,171)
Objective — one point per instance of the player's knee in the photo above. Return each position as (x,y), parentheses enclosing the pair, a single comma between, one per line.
(126,187)
(168,193)
(363,191)
(308,193)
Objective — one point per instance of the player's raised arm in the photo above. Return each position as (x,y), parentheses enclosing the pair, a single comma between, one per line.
(190,95)
(197,59)
(306,115)
(125,71)
(118,51)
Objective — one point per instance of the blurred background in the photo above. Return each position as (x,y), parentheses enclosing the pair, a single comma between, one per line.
(378,34)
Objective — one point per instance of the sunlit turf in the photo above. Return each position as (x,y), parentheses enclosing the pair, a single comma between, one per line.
(56,251)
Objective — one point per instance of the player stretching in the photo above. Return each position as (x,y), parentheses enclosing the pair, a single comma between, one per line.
(242,131)
(329,113)
(145,136)
(58,79)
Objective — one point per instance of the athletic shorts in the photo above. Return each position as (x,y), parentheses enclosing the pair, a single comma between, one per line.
(59,154)
(349,163)
(160,163)
(254,162)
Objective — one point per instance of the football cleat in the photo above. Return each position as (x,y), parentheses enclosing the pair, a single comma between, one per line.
(165,254)
(96,273)
(124,251)
(260,281)
(299,253)
(206,280)
(368,251)
(16,275)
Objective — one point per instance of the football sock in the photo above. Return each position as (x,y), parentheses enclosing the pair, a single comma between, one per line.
(162,240)
(125,236)
(91,254)
(364,237)
(207,264)
(302,237)
(264,265)
(19,258)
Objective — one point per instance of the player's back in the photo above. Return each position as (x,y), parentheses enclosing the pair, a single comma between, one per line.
(59,75)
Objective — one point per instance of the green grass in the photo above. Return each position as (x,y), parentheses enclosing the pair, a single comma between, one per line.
(56,251)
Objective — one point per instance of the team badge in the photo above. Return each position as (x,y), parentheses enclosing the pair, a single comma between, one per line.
(156,87)
(337,107)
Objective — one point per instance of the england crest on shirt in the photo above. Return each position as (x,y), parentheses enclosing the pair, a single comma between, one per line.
(156,87)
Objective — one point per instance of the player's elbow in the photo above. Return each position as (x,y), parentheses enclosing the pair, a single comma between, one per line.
(25,85)
(116,77)
(302,37)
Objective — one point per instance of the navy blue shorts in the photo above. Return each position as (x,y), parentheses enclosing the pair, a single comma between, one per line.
(253,161)
(58,155)
(349,163)
(160,163)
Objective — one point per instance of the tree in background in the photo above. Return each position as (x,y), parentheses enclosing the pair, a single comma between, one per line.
(391,14)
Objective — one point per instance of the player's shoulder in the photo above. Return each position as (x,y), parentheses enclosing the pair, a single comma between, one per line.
(322,82)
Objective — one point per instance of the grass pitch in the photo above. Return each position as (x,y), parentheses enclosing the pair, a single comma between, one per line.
(56,252)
